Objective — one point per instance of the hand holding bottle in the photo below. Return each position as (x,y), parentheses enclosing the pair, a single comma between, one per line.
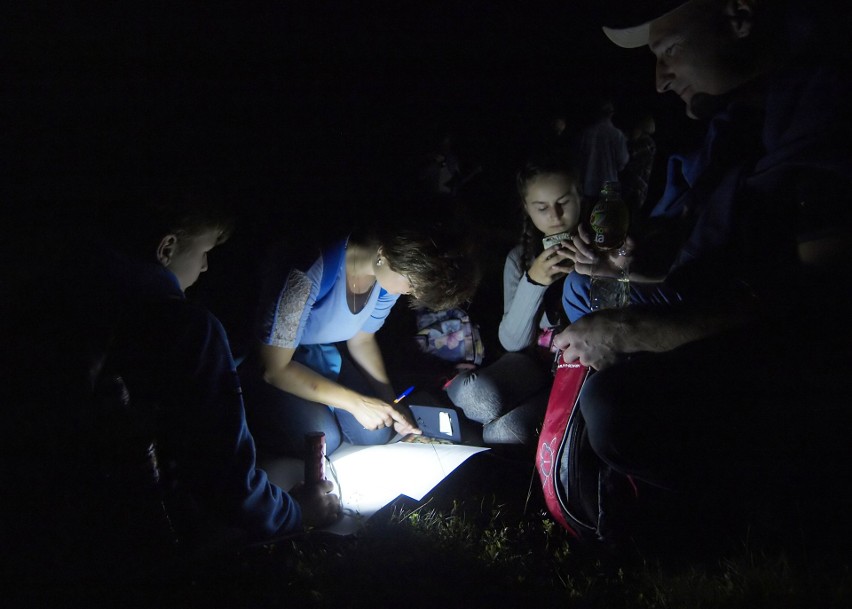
(587,259)
(610,277)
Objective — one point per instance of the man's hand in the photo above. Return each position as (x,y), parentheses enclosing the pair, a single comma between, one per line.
(319,506)
(601,338)
(594,339)
(608,264)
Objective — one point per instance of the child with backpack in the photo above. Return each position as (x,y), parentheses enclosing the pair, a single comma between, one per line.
(509,396)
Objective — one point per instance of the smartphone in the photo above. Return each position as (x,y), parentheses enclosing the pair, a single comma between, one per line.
(551,240)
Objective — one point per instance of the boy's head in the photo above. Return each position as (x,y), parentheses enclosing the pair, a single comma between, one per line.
(188,226)
(175,228)
(186,256)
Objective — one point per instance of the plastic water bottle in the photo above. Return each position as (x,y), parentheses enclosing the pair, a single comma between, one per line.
(609,221)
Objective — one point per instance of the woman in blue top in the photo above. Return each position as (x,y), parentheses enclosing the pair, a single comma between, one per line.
(303,382)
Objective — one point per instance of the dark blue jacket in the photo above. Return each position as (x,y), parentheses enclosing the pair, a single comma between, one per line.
(174,355)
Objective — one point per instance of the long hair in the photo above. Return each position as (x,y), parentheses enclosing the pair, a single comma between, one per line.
(543,164)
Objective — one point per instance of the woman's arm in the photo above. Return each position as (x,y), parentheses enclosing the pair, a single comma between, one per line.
(366,353)
(280,370)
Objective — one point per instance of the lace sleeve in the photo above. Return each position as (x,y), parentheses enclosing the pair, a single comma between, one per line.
(289,311)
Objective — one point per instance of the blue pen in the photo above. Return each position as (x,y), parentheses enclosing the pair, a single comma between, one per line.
(403,394)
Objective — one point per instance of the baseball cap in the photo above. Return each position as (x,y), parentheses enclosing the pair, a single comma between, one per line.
(629,22)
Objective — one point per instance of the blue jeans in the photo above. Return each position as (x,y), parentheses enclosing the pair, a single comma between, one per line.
(279,420)
(508,397)
(576,299)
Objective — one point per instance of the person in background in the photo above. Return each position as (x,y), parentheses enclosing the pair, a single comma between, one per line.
(560,139)
(637,173)
(602,151)
(509,396)
(318,366)
(441,171)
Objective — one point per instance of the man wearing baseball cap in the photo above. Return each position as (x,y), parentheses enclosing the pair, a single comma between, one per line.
(725,369)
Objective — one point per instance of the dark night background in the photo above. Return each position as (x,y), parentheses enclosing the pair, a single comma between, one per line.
(296,107)
(307,115)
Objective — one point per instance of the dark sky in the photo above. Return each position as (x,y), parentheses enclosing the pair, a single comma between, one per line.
(292,103)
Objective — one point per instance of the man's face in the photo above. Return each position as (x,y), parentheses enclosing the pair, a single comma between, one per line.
(693,47)
(189,259)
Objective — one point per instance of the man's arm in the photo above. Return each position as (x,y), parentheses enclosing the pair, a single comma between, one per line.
(599,339)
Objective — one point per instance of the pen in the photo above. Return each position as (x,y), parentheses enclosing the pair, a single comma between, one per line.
(403,394)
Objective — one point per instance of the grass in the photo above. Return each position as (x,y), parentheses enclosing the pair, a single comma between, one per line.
(486,549)
(483,539)
(474,556)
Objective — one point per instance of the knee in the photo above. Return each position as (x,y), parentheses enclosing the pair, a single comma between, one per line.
(372,437)
(333,438)
(477,395)
(463,387)
(278,421)
(521,425)
(575,296)
(292,442)
(355,433)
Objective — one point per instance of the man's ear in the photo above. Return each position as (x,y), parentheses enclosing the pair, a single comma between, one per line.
(740,13)
(166,249)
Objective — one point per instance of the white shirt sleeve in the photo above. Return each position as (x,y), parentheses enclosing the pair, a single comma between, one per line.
(521,304)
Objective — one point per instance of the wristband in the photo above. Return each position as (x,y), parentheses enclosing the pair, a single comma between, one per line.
(533,281)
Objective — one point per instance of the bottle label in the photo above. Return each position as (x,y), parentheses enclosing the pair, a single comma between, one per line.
(609,221)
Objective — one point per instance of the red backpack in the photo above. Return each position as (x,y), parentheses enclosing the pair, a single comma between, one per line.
(581,492)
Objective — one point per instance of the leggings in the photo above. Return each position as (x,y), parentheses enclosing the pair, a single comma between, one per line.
(508,397)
